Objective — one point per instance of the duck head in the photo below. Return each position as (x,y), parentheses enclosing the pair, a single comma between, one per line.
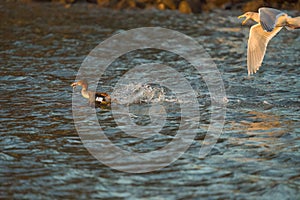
(82,83)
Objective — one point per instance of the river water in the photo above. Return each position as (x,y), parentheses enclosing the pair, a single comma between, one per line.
(257,156)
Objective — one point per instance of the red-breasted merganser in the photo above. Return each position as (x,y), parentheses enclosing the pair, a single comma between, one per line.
(93,97)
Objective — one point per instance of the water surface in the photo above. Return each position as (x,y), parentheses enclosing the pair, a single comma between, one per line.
(42,156)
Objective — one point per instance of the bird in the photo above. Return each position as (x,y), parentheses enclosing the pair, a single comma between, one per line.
(269,22)
(93,97)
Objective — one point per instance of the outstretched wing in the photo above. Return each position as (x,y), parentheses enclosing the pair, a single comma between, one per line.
(257,45)
(293,23)
(268,18)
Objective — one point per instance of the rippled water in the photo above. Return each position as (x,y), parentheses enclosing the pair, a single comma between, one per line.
(43,157)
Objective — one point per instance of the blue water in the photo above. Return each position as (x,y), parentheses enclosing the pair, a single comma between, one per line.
(42,156)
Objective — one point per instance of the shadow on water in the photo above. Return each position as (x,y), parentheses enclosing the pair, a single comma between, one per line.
(42,156)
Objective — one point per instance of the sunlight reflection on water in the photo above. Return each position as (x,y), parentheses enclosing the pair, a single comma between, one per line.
(257,156)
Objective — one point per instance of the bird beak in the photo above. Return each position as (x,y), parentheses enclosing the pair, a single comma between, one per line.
(242,16)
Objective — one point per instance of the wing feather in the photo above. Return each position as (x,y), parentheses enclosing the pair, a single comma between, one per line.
(293,23)
(269,18)
(257,45)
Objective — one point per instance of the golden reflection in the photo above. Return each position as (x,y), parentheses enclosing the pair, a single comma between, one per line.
(259,130)
(259,134)
(263,121)
(260,123)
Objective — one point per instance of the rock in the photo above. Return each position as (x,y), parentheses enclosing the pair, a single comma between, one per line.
(161,6)
(103,3)
(196,5)
(123,4)
(253,5)
(184,7)
(170,4)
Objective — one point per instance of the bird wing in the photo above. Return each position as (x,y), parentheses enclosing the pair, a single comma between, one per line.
(269,17)
(102,98)
(257,45)
(293,23)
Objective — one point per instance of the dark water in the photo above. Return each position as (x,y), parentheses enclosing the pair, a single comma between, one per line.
(43,157)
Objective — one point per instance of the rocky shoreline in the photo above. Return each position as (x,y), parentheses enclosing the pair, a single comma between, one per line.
(183,6)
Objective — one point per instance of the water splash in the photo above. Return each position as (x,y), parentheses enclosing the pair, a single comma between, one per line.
(139,93)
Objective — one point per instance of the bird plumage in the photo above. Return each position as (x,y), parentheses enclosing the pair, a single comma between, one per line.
(257,45)
(270,22)
(93,97)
